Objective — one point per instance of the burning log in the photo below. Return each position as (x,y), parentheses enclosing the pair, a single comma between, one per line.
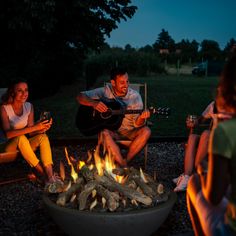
(121,171)
(104,186)
(112,198)
(87,173)
(66,196)
(135,175)
(88,188)
(125,190)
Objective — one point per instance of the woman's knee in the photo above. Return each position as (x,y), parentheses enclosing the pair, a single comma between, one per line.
(205,135)
(194,186)
(193,138)
(21,138)
(40,137)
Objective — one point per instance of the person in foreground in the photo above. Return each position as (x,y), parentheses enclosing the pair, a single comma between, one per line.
(211,194)
(133,125)
(17,121)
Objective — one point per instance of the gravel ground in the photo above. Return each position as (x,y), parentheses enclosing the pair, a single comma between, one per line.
(22,211)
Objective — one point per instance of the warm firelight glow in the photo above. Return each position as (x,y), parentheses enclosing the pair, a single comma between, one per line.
(74,175)
(91,166)
(80,165)
(98,161)
(107,164)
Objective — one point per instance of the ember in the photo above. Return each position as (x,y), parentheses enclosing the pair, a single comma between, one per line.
(99,185)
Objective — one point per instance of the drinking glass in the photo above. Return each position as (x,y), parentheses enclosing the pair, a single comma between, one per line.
(45,115)
(191,122)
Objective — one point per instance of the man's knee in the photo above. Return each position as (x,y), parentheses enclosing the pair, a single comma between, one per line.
(106,133)
(145,132)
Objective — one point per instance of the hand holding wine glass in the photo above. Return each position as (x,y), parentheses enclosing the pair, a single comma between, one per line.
(191,122)
(46,116)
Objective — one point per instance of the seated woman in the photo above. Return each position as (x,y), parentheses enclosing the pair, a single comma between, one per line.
(196,149)
(211,194)
(17,121)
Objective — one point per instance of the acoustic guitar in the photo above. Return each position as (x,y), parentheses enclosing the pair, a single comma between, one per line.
(90,122)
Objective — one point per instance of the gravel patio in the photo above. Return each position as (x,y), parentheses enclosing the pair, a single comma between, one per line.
(22,211)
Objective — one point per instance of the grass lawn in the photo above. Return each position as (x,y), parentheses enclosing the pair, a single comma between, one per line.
(182,94)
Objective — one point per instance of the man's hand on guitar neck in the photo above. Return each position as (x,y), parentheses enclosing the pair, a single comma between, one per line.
(142,117)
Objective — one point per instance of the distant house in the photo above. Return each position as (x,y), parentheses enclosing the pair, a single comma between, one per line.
(178,51)
(164,51)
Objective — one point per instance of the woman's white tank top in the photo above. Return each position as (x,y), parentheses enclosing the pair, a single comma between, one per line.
(18,122)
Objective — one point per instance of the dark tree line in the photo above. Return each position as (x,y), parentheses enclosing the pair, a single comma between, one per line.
(166,47)
(53,42)
(152,59)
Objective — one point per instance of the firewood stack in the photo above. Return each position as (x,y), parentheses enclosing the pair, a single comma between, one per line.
(93,191)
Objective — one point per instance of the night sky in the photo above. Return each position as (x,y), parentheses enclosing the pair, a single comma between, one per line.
(183,19)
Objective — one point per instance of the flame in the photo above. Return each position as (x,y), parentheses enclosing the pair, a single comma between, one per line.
(91,166)
(121,179)
(80,165)
(74,175)
(98,161)
(62,171)
(89,156)
(107,164)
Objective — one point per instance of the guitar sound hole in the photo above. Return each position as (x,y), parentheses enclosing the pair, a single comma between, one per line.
(107,114)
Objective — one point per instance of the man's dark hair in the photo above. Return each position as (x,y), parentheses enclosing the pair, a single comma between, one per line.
(117,71)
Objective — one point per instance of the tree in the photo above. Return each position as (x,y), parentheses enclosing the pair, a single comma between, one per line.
(189,50)
(45,39)
(210,50)
(164,41)
(129,48)
(230,47)
(147,49)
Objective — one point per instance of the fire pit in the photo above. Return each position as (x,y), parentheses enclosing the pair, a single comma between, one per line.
(104,199)
(134,223)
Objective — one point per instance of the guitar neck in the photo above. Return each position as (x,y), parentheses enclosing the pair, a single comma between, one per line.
(121,112)
(164,111)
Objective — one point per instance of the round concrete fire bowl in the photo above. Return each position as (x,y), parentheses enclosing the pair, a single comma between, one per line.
(141,222)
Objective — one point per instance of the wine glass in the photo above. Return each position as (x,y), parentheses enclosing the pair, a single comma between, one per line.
(45,115)
(191,121)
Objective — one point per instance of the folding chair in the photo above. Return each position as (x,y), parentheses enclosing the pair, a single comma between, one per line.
(142,89)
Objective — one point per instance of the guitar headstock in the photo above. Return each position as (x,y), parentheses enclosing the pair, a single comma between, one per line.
(163,111)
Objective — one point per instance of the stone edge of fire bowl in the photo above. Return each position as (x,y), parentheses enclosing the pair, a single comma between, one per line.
(137,222)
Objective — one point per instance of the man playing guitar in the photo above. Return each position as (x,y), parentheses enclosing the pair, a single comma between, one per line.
(132,127)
